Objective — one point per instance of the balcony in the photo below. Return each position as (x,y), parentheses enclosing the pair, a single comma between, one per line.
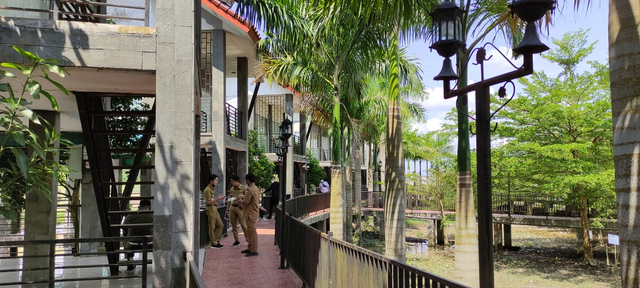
(129,13)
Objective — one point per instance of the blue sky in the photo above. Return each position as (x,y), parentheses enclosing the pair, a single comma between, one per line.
(565,20)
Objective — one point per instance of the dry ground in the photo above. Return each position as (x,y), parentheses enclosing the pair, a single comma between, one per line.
(547,258)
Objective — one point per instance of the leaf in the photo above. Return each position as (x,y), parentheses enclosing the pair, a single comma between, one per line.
(31,115)
(4,87)
(22,160)
(6,74)
(54,102)
(19,138)
(12,65)
(27,54)
(56,69)
(34,89)
(64,90)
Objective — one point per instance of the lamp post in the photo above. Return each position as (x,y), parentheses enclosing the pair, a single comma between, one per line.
(285,134)
(305,168)
(379,176)
(446,36)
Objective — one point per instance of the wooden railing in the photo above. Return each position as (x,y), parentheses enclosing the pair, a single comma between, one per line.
(322,261)
(85,11)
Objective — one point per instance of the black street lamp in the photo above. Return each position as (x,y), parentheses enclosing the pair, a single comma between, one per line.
(445,42)
(379,176)
(285,134)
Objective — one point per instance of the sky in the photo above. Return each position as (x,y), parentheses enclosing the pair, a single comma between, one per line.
(565,20)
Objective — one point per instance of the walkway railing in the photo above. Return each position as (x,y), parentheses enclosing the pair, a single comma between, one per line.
(48,267)
(322,261)
(81,11)
(195,279)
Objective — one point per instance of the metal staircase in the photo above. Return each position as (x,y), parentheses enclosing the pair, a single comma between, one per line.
(100,140)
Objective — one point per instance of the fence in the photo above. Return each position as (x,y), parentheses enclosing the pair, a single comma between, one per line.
(323,261)
(33,266)
(82,11)
(234,121)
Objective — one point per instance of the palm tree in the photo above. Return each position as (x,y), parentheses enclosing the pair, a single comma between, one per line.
(624,64)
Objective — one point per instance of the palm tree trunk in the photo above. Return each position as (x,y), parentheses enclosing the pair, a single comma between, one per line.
(337,215)
(624,62)
(467,269)
(348,191)
(395,196)
(357,186)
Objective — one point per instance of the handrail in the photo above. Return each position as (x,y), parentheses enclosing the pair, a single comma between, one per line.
(52,268)
(195,279)
(320,262)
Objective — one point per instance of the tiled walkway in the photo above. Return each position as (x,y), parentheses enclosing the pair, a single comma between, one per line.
(227,267)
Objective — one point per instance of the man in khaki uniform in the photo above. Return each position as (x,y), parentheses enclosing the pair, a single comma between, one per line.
(215,223)
(234,209)
(250,201)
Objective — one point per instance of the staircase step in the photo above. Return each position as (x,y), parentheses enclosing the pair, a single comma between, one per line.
(131,212)
(123,132)
(129,198)
(125,182)
(130,225)
(123,113)
(116,167)
(126,150)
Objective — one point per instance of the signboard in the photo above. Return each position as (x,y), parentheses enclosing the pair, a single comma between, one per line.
(613,239)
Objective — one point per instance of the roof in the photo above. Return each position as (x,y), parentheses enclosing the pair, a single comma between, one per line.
(225,11)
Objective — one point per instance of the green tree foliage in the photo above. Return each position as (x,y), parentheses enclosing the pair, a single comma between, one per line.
(27,158)
(315,173)
(259,164)
(558,133)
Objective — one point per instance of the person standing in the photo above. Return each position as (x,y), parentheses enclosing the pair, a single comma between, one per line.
(143,230)
(324,186)
(275,195)
(234,209)
(250,202)
(215,223)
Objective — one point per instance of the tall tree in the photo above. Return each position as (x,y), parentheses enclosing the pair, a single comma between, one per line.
(560,127)
(624,61)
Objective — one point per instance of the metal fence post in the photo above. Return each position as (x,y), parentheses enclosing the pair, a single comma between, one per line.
(52,264)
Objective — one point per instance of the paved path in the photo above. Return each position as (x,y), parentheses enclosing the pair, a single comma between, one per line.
(227,267)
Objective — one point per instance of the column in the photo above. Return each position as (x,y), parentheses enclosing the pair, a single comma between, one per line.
(218,100)
(507,236)
(288,109)
(303,145)
(89,220)
(176,187)
(40,211)
(243,107)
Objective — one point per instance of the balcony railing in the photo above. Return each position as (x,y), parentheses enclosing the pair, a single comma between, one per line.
(234,122)
(297,145)
(83,11)
(322,154)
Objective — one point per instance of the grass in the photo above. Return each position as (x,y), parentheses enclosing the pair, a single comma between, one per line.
(547,258)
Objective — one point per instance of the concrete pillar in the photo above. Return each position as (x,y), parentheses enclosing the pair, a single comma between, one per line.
(176,189)
(89,220)
(497,237)
(40,211)
(288,109)
(146,175)
(242,73)
(507,236)
(303,145)
(242,160)
(218,100)
(439,233)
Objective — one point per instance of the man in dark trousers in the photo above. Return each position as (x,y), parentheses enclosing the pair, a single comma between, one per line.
(138,218)
(275,195)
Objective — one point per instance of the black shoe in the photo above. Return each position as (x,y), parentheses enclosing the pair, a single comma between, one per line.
(250,254)
(269,217)
(131,267)
(217,246)
(237,243)
(245,251)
